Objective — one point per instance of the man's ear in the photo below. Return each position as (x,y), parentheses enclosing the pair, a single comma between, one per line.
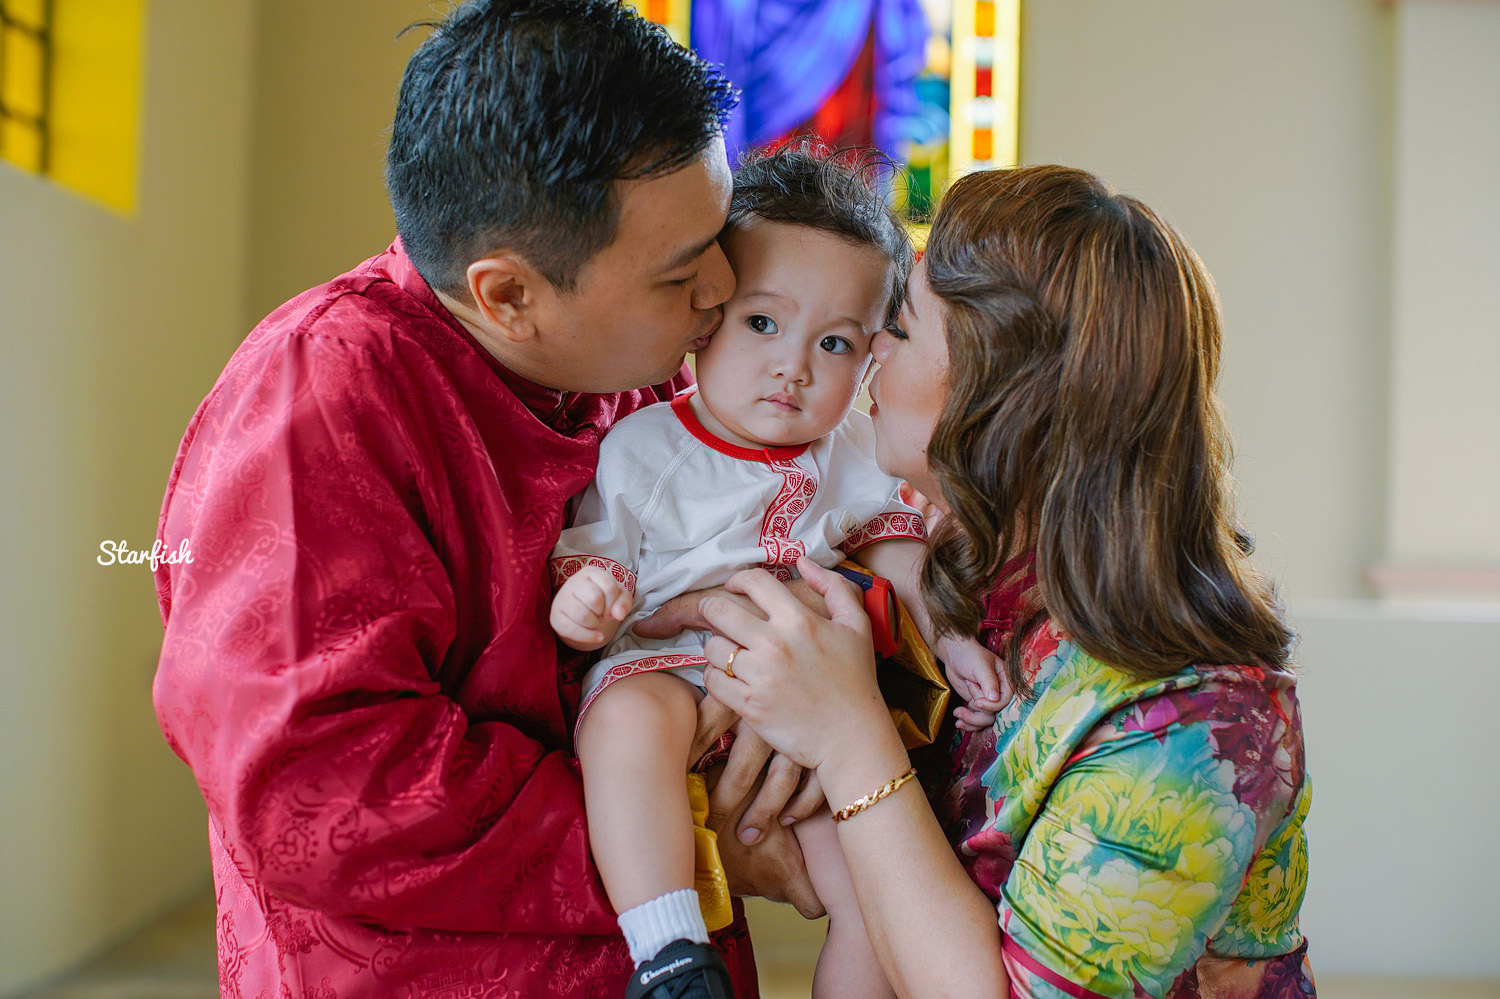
(504,290)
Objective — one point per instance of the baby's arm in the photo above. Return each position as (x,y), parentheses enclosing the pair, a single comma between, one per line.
(588,608)
(972,669)
(593,562)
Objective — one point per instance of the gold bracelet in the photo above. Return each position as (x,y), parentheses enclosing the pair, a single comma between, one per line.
(886,790)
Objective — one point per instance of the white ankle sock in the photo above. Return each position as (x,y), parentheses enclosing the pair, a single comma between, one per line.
(652,925)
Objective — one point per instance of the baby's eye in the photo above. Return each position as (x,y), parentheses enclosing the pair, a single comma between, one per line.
(761,324)
(895,331)
(835,345)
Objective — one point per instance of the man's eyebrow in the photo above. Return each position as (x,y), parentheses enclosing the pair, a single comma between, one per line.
(690,254)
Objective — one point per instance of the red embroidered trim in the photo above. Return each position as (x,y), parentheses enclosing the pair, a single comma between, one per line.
(567,565)
(883,528)
(684,410)
(717,753)
(1015,953)
(645,664)
(781,549)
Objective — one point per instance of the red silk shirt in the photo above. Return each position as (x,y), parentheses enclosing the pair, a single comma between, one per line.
(357,664)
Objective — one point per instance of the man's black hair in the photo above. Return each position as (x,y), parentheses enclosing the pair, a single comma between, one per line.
(516,117)
(839,192)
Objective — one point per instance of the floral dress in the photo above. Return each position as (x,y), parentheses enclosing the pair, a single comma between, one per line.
(1138,837)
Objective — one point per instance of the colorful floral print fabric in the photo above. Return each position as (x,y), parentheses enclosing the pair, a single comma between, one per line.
(1139,837)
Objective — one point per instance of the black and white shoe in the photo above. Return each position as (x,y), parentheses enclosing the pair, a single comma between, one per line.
(683,970)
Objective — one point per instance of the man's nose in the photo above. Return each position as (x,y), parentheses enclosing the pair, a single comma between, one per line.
(715,279)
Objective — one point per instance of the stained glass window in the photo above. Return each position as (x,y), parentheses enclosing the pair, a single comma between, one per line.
(935,83)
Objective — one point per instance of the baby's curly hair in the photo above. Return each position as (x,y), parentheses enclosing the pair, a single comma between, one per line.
(835,191)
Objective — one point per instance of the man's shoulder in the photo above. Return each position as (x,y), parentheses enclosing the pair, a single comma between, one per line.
(356,333)
(364,307)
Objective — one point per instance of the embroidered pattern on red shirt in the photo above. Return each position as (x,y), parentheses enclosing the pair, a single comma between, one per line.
(564,567)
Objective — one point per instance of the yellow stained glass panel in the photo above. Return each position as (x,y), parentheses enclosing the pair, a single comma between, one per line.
(94,114)
(984,19)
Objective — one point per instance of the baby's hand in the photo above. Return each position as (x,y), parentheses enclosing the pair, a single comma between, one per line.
(588,608)
(974,674)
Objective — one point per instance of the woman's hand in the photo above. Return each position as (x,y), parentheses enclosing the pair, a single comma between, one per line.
(805,683)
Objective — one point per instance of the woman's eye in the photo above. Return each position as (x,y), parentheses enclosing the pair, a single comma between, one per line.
(761,324)
(835,345)
(680,282)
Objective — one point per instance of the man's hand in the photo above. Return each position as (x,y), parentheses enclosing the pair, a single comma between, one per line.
(762,856)
(588,609)
(773,867)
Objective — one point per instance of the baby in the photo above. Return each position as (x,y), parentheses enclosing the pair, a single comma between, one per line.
(763,463)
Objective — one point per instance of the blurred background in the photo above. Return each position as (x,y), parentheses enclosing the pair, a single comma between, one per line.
(1336,163)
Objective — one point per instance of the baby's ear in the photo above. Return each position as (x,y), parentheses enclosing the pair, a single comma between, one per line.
(504,291)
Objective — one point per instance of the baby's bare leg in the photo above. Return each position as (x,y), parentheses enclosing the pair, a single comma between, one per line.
(847,965)
(633,745)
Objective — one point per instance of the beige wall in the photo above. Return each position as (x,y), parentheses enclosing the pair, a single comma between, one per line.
(113,330)
(1445,468)
(1402,869)
(1262,131)
(325,89)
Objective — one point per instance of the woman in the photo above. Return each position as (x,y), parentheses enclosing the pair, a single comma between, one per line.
(1135,812)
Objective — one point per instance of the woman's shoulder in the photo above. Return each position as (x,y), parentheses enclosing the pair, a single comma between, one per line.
(1085,703)
(1050,658)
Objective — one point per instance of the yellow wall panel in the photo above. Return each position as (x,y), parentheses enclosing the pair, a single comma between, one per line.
(96,98)
(94,117)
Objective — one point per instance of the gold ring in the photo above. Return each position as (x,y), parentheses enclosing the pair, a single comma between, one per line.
(729,663)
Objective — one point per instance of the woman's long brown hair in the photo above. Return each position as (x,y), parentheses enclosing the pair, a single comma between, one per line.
(1081,419)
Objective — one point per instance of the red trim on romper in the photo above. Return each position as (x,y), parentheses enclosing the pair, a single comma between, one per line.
(684,410)
(644,664)
(564,567)
(797,490)
(884,527)
(1014,952)
(781,550)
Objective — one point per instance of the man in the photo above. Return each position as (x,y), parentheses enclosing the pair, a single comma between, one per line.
(357,664)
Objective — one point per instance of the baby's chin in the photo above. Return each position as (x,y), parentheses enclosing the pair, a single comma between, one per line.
(788,440)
